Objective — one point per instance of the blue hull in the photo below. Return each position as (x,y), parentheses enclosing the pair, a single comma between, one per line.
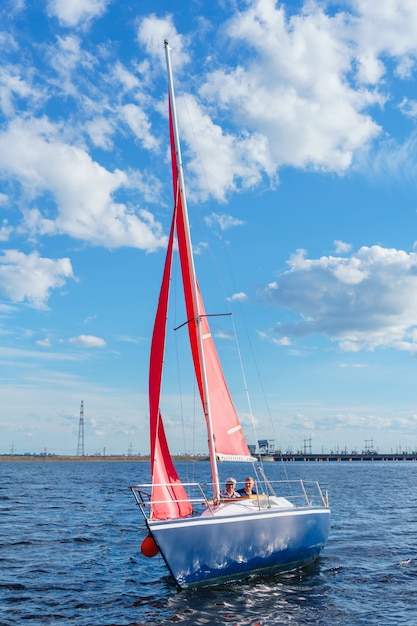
(210,550)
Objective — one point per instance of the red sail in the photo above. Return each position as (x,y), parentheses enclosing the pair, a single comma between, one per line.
(229,440)
(169,499)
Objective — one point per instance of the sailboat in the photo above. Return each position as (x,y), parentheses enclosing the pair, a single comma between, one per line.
(208,538)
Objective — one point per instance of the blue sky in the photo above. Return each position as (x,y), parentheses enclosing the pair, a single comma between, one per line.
(298,129)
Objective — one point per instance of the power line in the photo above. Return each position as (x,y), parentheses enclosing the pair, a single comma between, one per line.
(80,446)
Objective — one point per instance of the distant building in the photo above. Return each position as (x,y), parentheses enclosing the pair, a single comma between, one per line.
(266,447)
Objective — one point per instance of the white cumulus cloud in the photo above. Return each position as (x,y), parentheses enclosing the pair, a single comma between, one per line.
(84,190)
(76,12)
(88,341)
(364,301)
(30,278)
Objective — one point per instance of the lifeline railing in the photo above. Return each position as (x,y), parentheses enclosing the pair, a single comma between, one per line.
(289,493)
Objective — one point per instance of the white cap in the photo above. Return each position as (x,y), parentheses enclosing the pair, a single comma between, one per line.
(230,481)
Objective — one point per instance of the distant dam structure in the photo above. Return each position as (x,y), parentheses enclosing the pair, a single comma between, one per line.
(266,450)
(339,457)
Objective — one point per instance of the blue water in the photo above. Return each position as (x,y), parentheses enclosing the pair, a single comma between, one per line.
(70,535)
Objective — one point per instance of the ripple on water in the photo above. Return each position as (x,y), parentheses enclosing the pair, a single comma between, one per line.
(69,551)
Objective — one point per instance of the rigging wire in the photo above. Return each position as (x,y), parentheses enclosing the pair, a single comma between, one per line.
(174,290)
(223,246)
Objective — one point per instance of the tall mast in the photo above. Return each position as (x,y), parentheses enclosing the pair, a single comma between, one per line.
(206,407)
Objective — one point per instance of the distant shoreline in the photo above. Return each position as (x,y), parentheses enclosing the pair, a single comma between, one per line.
(286,458)
(17,458)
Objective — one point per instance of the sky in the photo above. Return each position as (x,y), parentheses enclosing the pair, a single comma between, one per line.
(299,140)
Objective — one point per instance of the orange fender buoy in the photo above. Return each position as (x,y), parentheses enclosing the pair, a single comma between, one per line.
(148,547)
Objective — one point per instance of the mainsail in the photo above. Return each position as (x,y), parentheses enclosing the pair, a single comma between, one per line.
(229,441)
(226,439)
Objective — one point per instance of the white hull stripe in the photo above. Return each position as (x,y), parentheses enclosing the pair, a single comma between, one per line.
(243,517)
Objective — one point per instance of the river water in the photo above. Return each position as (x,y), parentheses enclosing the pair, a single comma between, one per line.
(70,537)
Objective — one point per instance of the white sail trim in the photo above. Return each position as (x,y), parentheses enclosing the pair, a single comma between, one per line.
(234,429)
(236,458)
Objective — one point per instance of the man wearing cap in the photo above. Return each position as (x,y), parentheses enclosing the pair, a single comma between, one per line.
(229,491)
